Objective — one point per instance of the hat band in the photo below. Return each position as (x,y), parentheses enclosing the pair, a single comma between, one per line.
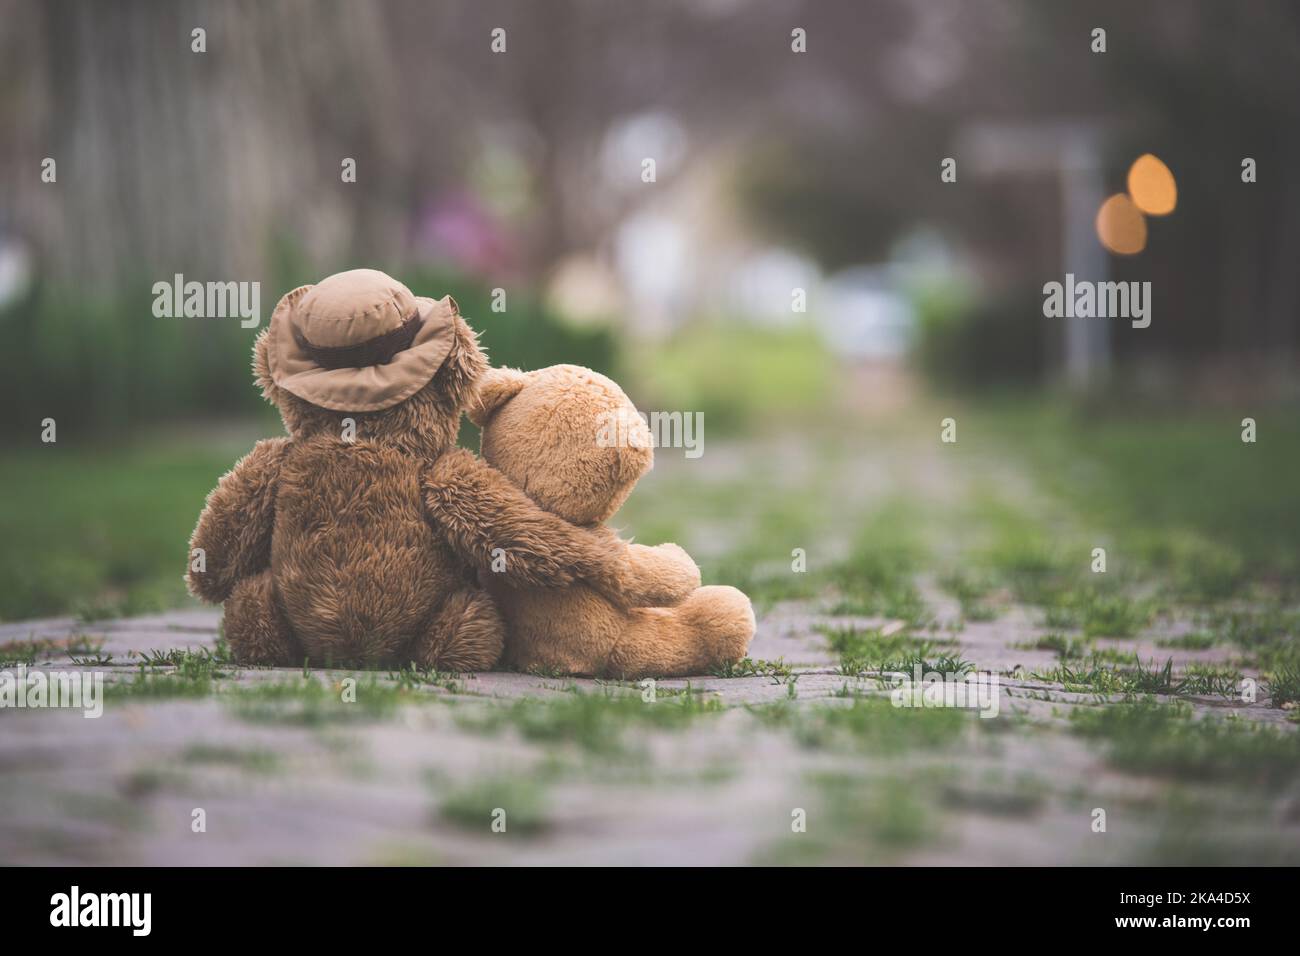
(377,351)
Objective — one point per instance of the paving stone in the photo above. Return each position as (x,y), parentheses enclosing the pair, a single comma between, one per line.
(419,785)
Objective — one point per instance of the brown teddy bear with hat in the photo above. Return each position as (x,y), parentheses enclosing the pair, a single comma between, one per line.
(567,443)
(320,543)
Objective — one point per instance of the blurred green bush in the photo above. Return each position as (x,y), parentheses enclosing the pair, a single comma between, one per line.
(104,366)
(100,365)
(979,342)
(527,334)
(740,375)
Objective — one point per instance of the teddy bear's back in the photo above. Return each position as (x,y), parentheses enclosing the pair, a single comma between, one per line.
(560,630)
(357,568)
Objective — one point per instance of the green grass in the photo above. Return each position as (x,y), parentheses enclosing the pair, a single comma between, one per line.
(1066,648)
(515,803)
(739,375)
(309,700)
(1214,517)
(1132,677)
(196,679)
(1207,680)
(101,533)
(1283,683)
(857,819)
(251,759)
(1268,634)
(1199,829)
(879,577)
(1150,680)
(891,817)
(415,677)
(1021,796)
(1096,613)
(595,722)
(200,663)
(1084,678)
(871,724)
(779,671)
(1166,740)
(35,649)
(867,650)
(972,592)
(1109,615)
(1113,655)
(174,673)
(1194,641)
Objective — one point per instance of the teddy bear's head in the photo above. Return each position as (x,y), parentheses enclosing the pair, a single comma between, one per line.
(567,436)
(359,345)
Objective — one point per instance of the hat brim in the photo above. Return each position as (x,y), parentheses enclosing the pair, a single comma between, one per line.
(373,387)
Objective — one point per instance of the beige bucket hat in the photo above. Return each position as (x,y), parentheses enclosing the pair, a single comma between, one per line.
(358,341)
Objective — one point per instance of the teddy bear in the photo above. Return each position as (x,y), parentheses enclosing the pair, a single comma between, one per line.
(319,544)
(569,443)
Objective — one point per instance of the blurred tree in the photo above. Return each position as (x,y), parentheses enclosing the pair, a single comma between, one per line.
(1199,83)
(172,160)
(225,164)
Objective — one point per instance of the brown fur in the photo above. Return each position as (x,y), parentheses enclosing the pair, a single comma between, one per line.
(322,549)
(575,597)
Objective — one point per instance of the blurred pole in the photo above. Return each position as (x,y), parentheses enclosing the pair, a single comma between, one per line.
(1087,341)
(1071,152)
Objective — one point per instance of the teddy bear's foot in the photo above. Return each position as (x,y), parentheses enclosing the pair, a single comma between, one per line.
(467,634)
(256,628)
(723,619)
(713,626)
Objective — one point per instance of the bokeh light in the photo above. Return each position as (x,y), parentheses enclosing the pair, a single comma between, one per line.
(1121,226)
(1152,186)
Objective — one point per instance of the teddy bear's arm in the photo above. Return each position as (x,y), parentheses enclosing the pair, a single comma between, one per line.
(233,538)
(494,527)
(660,576)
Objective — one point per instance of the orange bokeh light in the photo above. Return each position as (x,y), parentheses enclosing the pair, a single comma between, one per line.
(1121,226)
(1152,186)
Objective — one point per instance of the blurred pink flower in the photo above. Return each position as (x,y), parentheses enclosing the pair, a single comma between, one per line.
(458,229)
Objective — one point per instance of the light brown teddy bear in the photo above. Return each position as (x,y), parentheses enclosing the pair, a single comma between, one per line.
(572,445)
(320,544)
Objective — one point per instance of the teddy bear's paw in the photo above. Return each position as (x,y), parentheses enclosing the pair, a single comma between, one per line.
(664,575)
(724,619)
(255,626)
(467,634)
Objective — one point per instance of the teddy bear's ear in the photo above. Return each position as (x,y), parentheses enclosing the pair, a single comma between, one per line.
(495,388)
(262,364)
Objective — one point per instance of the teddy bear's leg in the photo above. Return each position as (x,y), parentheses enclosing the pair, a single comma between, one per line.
(466,634)
(256,628)
(711,627)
